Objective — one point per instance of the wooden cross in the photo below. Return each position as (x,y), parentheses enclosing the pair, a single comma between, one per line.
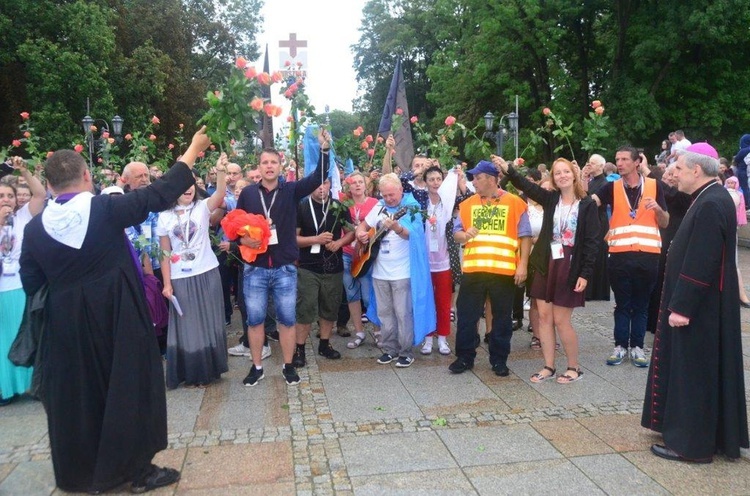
(292,44)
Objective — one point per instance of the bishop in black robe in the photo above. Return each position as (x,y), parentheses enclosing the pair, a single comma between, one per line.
(102,376)
(695,395)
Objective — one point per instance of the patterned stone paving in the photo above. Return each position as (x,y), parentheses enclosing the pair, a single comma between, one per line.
(313,449)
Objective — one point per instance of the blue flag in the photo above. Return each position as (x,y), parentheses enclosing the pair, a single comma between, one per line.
(311,150)
(397,100)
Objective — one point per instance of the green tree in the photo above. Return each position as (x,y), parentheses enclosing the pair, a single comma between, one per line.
(342,123)
(393,29)
(135,58)
(656,66)
(220,32)
(61,54)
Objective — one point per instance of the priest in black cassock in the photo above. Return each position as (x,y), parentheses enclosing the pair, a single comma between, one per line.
(102,378)
(593,180)
(695,394)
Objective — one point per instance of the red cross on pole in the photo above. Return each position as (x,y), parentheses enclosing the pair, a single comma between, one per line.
(292,44)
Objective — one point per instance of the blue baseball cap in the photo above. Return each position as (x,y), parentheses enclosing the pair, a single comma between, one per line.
(483,167)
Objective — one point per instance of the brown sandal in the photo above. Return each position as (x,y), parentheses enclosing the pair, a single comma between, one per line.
(567,379)
(539,377)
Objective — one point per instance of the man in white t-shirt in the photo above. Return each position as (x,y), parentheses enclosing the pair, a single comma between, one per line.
(390,274)
(680,144)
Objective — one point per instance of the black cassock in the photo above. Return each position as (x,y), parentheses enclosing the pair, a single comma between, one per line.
(598,287)
(695,395)
(103,381)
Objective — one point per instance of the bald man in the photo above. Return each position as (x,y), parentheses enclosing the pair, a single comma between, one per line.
(135,175)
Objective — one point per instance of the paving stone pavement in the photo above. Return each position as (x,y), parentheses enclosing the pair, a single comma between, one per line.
(355,427)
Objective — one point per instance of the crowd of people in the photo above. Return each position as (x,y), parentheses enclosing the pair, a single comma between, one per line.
(148,261)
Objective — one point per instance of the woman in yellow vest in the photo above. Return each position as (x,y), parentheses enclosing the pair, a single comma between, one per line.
(562,260)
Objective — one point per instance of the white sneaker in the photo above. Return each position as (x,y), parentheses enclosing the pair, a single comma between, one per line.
(427,346)
(266,352)
(239,350)
(638,358)
(443,346)
(617,356)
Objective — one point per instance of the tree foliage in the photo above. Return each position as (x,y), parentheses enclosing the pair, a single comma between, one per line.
(134,58)
(656,66)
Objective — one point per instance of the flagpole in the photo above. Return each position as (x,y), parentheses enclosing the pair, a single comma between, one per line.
(517,130)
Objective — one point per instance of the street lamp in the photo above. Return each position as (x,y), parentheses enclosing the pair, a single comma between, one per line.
(88,128)
(500,135)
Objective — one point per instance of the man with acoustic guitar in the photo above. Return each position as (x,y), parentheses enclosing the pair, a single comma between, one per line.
(400,273)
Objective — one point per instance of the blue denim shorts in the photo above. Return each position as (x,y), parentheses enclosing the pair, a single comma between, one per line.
(356,289)
(281,282)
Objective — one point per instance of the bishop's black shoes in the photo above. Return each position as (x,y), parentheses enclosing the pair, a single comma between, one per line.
(668,454)
(157,477)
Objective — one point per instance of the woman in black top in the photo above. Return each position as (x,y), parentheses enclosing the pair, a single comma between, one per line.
(562,260)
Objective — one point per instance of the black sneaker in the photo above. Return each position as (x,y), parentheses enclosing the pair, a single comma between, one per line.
(460,366)
(517,324)
(385,358)
(299,359)
(253,377)
(404,362)
(290,375)
(157,477)
(500,369)
(328,352)
(273,335)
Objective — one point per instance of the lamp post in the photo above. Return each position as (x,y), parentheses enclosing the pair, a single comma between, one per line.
(88,128)
(500,135)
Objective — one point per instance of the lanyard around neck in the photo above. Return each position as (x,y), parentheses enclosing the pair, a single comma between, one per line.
(634,206)
(324,208)
(267,210)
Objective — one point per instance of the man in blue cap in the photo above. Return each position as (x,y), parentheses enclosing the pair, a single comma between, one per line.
(493,226)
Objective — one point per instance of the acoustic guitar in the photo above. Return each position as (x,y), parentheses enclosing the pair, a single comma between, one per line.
(365,253)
